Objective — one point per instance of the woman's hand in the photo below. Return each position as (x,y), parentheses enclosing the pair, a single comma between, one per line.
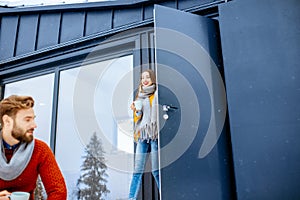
(132,107)
(4,195)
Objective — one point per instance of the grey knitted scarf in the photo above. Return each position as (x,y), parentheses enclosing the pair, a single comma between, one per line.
(147,125)
(17,164)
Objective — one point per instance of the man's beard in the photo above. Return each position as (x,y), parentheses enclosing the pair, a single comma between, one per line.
(20,134)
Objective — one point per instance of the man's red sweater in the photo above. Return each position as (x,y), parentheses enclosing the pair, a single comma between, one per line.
(42,163)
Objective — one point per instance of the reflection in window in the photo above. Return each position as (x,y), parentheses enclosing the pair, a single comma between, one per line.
(41,89)
(93,108)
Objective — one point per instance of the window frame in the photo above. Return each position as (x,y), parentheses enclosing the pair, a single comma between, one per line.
(129,42)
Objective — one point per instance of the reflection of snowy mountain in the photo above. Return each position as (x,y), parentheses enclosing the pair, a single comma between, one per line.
(118,184)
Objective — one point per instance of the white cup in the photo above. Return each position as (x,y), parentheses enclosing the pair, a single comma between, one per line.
(138,104)
(19,196)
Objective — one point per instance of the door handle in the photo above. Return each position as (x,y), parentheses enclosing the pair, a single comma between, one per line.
(168,107)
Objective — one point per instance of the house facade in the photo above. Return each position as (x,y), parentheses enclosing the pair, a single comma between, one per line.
(228,86)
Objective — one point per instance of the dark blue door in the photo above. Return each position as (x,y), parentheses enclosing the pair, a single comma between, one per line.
(194,153)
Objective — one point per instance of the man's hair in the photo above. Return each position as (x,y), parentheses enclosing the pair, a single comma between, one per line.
(12,104)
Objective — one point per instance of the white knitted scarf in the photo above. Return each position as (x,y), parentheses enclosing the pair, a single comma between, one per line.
(17,164)
(147,125)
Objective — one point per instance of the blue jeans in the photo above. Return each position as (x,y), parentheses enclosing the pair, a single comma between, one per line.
(139,165)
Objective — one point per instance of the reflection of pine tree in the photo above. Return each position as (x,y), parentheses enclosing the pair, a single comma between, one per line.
(92,182)
(39,191)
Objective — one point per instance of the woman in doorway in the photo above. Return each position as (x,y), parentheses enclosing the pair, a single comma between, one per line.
(145,130)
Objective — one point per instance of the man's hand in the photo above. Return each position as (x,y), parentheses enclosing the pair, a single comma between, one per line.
(4,195)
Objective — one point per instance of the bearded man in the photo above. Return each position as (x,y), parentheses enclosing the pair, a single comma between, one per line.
(23,157)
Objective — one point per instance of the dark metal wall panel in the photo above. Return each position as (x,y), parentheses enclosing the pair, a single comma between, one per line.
(148,12)
(170,4)
(260,44)
(48,31)
(126,16)
(187,4)
(8,33)
(72,26)
(98,21)
(66,24)
(27,33)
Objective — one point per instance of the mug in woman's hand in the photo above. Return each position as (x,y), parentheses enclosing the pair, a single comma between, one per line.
(138,104)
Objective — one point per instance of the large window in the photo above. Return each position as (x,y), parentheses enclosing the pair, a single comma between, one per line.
(82,108)
(94,121)
(41,89)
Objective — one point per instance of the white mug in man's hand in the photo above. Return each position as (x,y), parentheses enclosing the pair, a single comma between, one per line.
(19,196)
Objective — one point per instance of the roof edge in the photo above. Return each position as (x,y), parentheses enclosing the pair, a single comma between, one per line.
(88,5)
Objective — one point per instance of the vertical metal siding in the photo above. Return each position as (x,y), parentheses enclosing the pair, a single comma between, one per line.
(48,31)
(170,4)
(126,16)
(148,12)
(26,34)
(29,30)
(72,26)
(8,34)
(98,21)
(183,5)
